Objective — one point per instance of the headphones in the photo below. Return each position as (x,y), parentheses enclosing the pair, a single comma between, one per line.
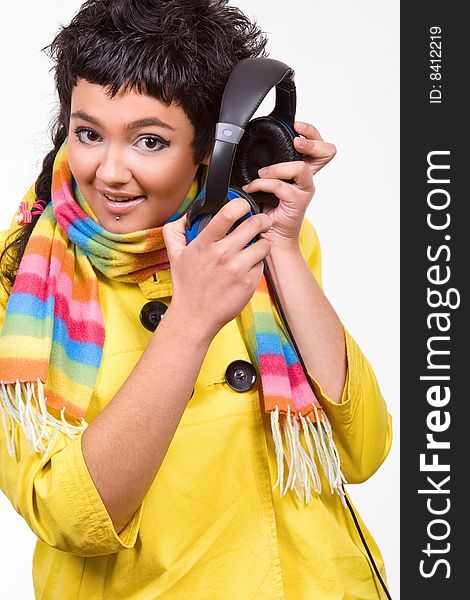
(242,147)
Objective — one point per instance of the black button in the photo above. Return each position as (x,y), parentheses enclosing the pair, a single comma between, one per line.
(240,375)
(152,313)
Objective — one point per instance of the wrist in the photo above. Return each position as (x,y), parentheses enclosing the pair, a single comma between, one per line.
(284,261)
(282,255)
(189,322)
(285,250)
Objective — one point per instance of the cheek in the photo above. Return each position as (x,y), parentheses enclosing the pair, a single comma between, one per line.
(81,164)
(162,176)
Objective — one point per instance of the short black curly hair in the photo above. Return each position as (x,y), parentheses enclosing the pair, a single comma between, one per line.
(180,51)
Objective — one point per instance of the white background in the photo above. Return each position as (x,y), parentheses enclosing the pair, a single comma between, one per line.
(346,58)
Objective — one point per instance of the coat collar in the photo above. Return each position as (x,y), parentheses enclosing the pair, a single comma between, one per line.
(158,285)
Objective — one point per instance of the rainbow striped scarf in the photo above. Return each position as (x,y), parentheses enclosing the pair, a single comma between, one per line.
(52,339)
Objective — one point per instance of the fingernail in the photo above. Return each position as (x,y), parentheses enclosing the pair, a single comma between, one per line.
(301,142)
(300,125)
(262,171)
(245,186)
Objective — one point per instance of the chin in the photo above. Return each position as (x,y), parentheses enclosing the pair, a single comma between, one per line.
(129,223)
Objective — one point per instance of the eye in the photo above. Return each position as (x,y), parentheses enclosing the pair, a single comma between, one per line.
(90,135)
(152,143)
(149,143)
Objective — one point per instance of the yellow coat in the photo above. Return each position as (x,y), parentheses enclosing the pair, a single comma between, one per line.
(210,527)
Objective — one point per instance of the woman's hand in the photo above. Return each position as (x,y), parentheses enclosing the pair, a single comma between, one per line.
(294,198)
(215,276)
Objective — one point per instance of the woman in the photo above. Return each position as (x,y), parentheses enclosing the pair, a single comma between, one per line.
(144,461)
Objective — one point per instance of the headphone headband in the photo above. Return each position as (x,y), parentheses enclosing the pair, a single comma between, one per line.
(248,85)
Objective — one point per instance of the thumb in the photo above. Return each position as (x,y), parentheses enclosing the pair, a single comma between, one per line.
(174,234)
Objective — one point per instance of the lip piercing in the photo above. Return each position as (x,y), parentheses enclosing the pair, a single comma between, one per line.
(118,217)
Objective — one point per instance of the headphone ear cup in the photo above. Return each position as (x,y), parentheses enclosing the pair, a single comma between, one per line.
(266,141)
(233,193)
(195,226)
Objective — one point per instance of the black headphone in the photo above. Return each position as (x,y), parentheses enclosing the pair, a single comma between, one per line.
(242,146)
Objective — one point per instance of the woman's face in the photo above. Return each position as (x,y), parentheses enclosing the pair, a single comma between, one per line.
(131,146)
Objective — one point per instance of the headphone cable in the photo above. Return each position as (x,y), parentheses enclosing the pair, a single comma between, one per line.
(294,344)
(366,546)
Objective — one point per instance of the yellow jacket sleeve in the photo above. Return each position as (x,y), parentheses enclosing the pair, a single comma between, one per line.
(361,424)
(57,498)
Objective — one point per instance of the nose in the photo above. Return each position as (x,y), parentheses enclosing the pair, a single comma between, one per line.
(113,169)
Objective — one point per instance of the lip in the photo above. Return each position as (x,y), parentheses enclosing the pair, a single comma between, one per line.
(121,207)
(117,194)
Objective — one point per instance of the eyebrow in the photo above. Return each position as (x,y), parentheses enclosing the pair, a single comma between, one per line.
(149,121)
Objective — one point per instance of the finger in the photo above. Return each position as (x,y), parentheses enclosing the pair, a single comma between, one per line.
(297,170)
(174,234)
(179,225)
(307,130)
(246,231)
(255,253)
(221,222)
(281,189)
(315,148)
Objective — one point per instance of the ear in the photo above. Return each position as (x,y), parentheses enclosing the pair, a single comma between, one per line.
(207,159)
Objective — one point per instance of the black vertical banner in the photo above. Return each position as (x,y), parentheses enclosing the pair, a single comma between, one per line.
(435,258)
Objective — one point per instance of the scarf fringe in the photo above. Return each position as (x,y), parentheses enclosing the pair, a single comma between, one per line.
(20,404)
(302,464)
